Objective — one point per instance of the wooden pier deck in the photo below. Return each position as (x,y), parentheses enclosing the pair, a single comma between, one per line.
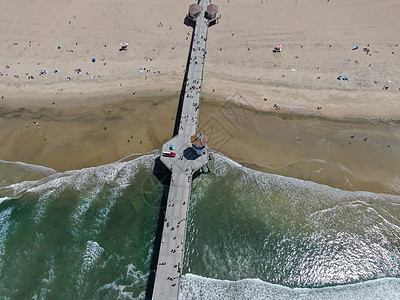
(182,166)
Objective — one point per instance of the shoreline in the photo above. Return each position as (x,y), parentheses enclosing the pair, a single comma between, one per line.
(354,103)
(77,134)
(89,103)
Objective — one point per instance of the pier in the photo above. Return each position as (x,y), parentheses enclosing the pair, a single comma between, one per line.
(183,159)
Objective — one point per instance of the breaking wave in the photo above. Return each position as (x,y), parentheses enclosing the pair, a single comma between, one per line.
(197,287)
(90,233)
(86,233)
(290,232)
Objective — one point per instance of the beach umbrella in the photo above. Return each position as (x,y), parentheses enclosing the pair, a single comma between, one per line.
(124,44)
(279,46)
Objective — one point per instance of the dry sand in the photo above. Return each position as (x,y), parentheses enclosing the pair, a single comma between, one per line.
(317,36)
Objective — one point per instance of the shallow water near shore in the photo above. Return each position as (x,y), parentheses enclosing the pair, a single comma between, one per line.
(305,146)
(251,235)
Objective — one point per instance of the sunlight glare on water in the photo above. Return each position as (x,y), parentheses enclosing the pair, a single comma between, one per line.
(251,235)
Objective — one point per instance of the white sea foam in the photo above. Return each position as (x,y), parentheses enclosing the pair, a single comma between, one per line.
(343,225)
(116,290)
(28,166)
(85,178)
(41,206)
(92,253)
(120,181)
(38,186)
(224,164)
(90,257)
(135,276)
(5,224)
(4,199)
(197,287)
(201,187)
(293,187)
(88,183)
(76,218)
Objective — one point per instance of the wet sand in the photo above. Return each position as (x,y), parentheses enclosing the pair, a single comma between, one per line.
(308,146)
(72,135)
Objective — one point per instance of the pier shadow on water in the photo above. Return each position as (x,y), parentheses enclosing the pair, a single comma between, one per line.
(161,172)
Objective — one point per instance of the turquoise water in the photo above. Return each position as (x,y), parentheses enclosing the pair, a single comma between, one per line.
(89,234)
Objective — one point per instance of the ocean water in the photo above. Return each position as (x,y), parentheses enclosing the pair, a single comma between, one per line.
(89,234)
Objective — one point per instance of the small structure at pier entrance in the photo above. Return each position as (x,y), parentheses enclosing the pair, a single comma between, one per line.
(212,12)
(199,142)
(194,11)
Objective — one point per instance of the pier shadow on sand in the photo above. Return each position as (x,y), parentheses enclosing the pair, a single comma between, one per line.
(183,89)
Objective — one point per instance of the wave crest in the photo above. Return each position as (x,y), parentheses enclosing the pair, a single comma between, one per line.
(197,287)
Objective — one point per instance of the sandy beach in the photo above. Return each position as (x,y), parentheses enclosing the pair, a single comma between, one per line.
(317,38)
(78,112)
